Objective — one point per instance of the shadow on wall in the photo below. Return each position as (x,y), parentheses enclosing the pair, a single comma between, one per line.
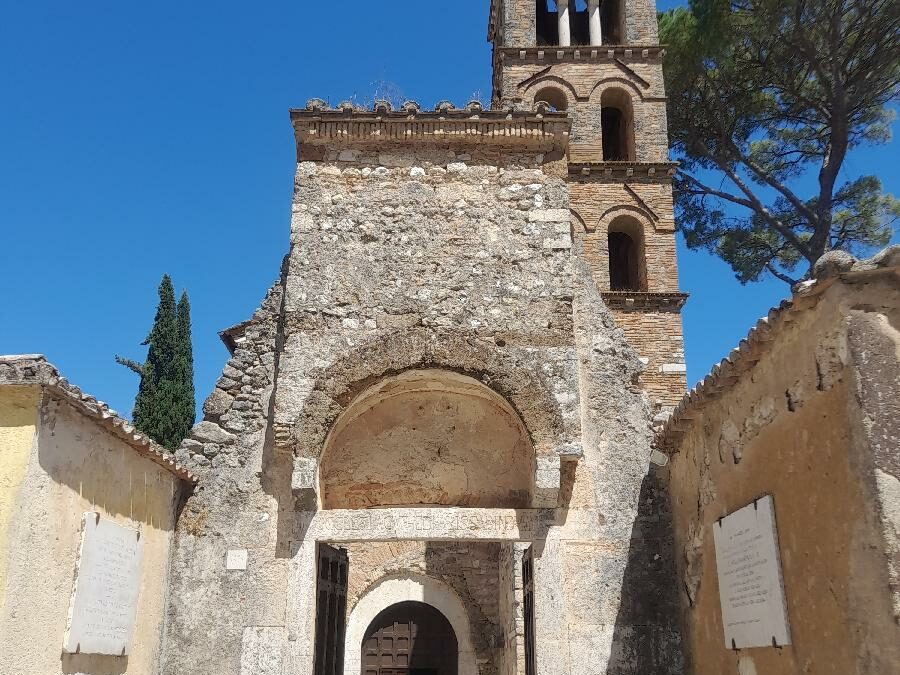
(647,635)
(79,664)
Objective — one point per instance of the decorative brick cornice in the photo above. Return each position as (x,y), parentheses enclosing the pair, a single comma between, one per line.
(539,128)
(642,301)
(586,53)
(34,369)
(623,169)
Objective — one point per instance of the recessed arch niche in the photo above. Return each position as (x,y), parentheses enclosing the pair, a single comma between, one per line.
(427,437)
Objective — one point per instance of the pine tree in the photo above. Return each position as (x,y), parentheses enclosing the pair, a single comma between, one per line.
(164,406)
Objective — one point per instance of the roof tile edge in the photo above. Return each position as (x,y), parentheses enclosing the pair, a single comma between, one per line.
(35,369)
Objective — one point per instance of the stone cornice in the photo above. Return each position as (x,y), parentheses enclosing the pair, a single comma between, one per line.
(642,301)
(623,169)
(540,129)
(587,53)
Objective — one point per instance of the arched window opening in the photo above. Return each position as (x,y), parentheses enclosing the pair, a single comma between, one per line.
(611,22)
(626,256)
(553,97)
(616,125)
(546,23)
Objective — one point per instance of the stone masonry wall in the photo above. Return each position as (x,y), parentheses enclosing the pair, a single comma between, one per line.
(433,240)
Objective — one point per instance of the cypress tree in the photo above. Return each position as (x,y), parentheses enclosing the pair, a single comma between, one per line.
(160,408)
(184,370)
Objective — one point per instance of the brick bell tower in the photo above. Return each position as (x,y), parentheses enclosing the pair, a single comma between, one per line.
(600,61)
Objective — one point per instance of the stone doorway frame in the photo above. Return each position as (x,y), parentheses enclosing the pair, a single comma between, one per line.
(393,589)
(414,524)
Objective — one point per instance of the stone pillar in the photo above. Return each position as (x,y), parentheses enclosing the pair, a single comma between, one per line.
(562,13)
(594,17)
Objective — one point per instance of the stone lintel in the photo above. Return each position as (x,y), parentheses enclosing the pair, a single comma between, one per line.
(440,524)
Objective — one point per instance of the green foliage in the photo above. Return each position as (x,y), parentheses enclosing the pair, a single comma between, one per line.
(766,99)
(164,406)
(184,370)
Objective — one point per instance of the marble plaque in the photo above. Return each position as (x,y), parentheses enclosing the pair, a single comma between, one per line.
(107,579)
(748,565)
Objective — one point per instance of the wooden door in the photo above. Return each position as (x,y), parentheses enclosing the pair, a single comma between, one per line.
(528,601)
(410,638)
(331,610)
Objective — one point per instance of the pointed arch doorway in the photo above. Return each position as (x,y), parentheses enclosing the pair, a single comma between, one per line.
(409,638)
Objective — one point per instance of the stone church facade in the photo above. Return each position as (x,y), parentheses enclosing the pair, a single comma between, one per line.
(430,450)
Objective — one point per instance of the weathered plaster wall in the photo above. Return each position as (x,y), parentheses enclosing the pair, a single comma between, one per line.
(796,426)
(18,420)
(74,467)
(427,437)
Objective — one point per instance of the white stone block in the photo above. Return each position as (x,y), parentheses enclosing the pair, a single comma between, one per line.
(236,560)
(673,368)
(550,216)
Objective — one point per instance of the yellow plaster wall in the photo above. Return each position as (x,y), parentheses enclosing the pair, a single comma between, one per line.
(78,466)
(791,428)
(18,414)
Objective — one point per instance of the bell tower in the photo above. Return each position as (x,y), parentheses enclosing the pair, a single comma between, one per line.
(600,61)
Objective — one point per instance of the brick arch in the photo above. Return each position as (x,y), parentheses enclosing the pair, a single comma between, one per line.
(513,378)
(616,83)
(552,80)
(579,220)
(637,212)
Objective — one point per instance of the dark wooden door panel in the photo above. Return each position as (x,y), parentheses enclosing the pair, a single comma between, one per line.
(331,610)
(409,638)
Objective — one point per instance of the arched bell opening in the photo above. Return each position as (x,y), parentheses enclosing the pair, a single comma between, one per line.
(412,638)
(554,97)
(427,437)
(627,270)
(617,125)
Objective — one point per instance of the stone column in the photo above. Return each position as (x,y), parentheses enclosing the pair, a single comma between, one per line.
(562,13)
(594,16)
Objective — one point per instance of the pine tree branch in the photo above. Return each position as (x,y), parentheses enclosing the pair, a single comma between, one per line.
(779,275)
(131,365)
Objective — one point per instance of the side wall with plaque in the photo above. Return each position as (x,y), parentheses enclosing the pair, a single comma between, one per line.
(83,594)
(801,420)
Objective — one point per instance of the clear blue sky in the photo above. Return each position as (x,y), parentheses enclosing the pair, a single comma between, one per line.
(143,138)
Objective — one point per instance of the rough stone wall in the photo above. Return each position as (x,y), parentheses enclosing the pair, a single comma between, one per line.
(471,569)
(627,624)
(798,424)
(234,508)
(429,240)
